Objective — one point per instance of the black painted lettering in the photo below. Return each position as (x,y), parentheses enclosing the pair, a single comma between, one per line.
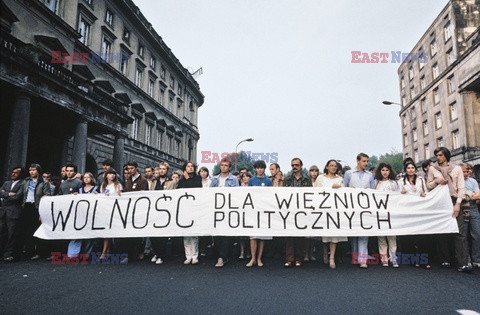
(361,220)
(326,195)
(284,218)
(60,217)
(363,196)
(235,224)
(122,217)
(284,202)
(269,215)
(330,218)
(384,220)
(314,225)
(135,210)
(248,201)
(186,196)
(222,196)
(344,202)
(381,202)
(169,216)
(244,214)
(93,218)
(305,200)
(76,214)
(218,219)
(349,218)
(296,220)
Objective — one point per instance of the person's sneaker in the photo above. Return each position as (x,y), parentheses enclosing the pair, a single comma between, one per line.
(9,258)
(219,263)
(159,261)
(194,261)
(187,261)
(124,261)
(35,257)
(364,266)
(384,264)
(395,265)
(476,264)
(445,264)
(466,268)
(154,259)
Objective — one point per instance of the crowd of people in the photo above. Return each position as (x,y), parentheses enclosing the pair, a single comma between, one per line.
(20,199)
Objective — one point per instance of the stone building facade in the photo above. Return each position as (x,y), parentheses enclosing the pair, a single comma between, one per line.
(441,93)
(87,80)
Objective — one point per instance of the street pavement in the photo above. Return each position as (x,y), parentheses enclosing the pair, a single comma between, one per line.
(172,288)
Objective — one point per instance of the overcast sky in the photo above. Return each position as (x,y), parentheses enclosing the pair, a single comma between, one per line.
(280,71)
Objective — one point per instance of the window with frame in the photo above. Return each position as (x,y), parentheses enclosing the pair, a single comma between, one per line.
(148,132)
(124,63)
(84,30)
(163,73)
(453,111)
(440,142)
(438,120)
(134,130)
(141,50)
(411,73)
(52,5)
(414,135)
(404,120)
(413,113)
(180,90)
(172,82)
(126,35)
(159,139)
(451,84)
(405,140)
(412,92)
(151,87)
(153,63)
(109,17)
(404,100)
(425,128)
(423,82)
(161,96)
(455,139)
(106,49)
(402,82)
(422,60)
(433,47)
(138,77)
(436,96)
(415,155)
(423,105)
(170,104)
(435,71)
(426,151)
(447,31)
(89,2)
(450,56)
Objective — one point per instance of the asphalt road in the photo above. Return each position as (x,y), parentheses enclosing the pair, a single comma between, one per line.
(171,288)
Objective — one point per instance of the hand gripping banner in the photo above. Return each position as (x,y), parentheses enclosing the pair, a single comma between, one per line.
(246,211)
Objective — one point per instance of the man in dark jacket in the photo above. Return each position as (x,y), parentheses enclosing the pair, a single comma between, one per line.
(12,194)
(136,182)
(34,188)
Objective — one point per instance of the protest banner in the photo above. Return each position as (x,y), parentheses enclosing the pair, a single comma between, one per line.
(246,211)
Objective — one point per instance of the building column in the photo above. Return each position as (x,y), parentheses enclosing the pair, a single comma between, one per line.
(118,152)
(17,143)
(79,154)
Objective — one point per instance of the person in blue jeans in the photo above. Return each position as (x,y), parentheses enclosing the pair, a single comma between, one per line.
(473,228)
(359,177)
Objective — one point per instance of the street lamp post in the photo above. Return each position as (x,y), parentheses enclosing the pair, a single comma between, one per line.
(388,103)
(236,148)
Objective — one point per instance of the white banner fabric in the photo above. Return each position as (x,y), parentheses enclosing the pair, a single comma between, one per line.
(246,211)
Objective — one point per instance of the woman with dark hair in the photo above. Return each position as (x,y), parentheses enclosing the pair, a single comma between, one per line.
(413,184)
(110,186)
(330,179)
(244,179)
(75,247)
(190,180)
(385,181)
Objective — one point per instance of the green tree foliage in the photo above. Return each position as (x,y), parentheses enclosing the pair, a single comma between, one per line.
(243,160)
(394,158)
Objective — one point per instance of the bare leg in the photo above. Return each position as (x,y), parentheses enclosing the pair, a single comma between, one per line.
(333,247)
(325,253)
(253,251)
(261,244)
(242,249)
